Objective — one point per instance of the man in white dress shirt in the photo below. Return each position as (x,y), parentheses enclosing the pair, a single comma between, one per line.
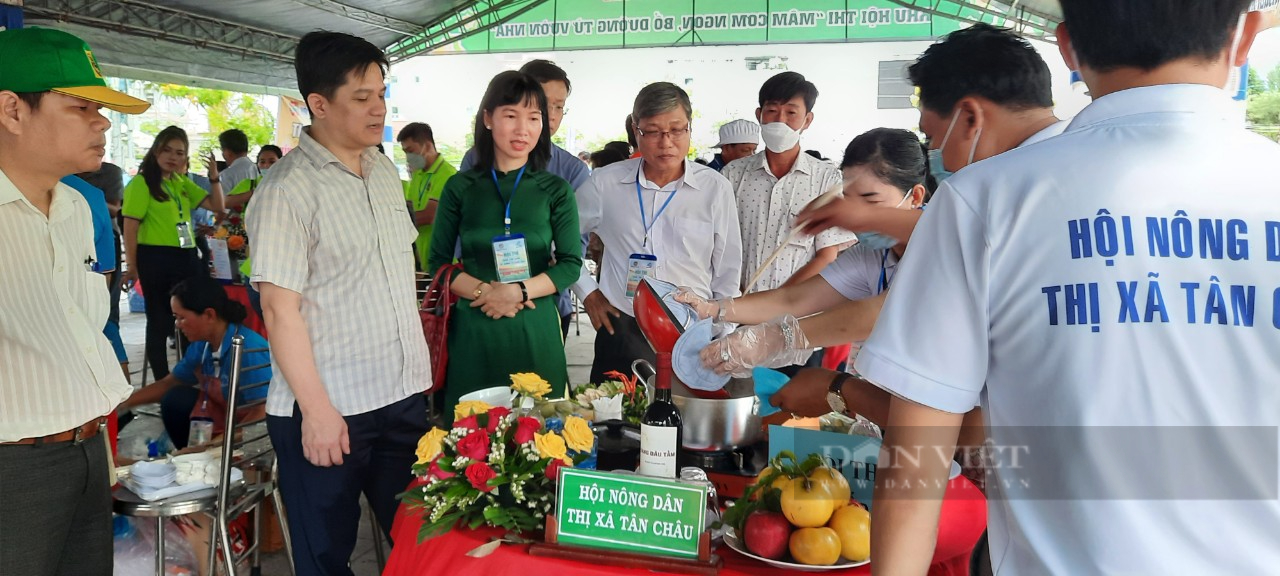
(235,150)
(1108,295)
(58,373)
(661,216)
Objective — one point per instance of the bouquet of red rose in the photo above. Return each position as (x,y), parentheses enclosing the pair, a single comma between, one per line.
(491,468)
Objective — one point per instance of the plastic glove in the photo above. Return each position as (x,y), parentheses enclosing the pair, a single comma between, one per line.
(774,344)
(718,309)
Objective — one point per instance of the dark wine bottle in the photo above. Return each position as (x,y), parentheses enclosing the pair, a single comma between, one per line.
(661,430)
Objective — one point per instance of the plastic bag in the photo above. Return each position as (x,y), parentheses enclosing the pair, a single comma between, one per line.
(135,549)
(143,436)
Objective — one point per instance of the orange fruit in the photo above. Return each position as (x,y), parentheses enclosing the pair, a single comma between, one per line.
(852,525)
(235,242)
(805,505)
(832,482)
(815,546)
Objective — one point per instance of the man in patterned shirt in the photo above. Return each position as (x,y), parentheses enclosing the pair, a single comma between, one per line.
(333,259)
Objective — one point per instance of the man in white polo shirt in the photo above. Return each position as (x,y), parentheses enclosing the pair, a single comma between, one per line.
(333,258)
(58,374)
(1119,275)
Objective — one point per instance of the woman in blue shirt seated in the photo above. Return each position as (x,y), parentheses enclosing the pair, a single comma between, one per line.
(205,315)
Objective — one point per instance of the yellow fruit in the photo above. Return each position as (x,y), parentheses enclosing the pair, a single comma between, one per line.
(815,546)
(778,482)
(852,525)
(833,483)
(804,505)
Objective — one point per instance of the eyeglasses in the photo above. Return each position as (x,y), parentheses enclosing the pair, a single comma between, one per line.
(561,110)
(658,136)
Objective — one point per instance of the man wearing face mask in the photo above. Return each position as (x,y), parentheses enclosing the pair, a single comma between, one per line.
(983,91)
(429,174)
(1106,403)
(774,185)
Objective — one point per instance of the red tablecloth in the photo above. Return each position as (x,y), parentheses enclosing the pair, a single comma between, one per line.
(964,517)
(253,321)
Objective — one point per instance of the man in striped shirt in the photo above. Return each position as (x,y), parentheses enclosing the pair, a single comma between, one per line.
(58,373)
(333,258)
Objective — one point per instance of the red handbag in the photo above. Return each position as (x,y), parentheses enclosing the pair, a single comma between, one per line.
(437,305)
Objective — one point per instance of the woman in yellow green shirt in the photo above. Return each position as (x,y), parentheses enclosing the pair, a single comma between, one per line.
(159,235)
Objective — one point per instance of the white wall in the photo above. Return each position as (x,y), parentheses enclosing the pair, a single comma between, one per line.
(444,91)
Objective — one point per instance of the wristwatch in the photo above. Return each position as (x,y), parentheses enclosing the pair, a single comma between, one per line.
(835,397)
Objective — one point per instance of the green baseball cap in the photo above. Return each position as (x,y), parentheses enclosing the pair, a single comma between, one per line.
(48,60)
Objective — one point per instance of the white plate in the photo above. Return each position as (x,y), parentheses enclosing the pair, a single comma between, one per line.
(731,539)
(687,362)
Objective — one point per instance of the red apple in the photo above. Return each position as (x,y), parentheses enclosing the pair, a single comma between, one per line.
(767,534)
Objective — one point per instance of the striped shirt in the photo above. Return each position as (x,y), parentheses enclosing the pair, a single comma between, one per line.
(57,370)
(345,243)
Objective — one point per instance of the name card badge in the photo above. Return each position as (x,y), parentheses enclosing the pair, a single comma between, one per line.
(511,258)
(185,239)
(639,267)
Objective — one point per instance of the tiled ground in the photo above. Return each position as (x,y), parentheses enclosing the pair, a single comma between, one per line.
(363,561)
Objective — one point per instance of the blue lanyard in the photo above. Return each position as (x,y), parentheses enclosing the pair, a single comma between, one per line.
(640,198)
(219,360)
(506,221)
(884,280)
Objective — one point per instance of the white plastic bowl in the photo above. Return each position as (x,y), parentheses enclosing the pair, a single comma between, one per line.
(496,396)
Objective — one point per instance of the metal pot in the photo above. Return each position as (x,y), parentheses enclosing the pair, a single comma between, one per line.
(712,425)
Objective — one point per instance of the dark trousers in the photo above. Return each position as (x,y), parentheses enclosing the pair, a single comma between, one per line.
(323,504)
(55,509)
(175,411)
(618,350)
(160,268)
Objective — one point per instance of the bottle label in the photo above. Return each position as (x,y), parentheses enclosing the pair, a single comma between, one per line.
(658,451)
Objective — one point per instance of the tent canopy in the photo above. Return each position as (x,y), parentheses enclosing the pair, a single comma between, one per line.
(243,45)
(248,45)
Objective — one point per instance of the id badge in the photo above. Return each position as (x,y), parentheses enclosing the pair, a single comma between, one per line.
(185,240)
(511,258)
(639,267)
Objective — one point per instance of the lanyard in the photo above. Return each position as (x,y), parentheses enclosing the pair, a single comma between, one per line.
(884,280)
(205,360)
(423,191)
(176,198)
(506,221)
(640,198)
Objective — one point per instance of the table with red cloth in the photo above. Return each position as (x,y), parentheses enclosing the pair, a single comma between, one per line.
(963,519)
(253,321)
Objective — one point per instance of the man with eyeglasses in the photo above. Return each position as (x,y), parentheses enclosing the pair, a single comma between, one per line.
(774,185)
(555,83)
(659,216)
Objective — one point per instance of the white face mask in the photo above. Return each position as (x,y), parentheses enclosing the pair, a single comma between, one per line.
(778,137)
(972,149)
(416,162)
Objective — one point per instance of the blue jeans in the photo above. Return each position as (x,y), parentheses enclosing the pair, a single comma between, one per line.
(324,503)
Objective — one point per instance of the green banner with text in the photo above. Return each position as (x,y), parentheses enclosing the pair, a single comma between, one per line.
(599,24)
(630,513)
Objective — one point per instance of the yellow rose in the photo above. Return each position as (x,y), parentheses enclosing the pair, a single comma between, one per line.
(551,445)
(429,445)
(530,384)
(578,435)
(469,407)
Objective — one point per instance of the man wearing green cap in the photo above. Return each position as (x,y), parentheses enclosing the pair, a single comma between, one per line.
(58,379)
